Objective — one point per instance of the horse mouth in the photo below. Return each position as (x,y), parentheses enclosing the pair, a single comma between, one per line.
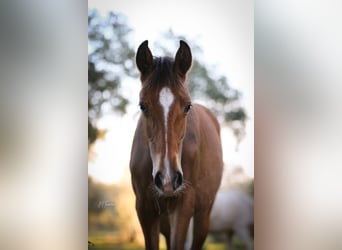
(168,194)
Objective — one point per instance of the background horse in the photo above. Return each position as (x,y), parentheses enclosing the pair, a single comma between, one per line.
(232,213)
(176,158)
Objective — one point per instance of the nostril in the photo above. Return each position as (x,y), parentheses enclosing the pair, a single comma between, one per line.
(158,180)
(177,180)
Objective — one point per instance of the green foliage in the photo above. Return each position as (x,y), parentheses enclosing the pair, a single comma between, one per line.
(111,58)
(222,99)
(207,85)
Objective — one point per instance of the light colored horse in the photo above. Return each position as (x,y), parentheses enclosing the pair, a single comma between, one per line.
(232,212)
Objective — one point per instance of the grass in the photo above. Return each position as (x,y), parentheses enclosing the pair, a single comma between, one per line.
(210,246)
(105,240)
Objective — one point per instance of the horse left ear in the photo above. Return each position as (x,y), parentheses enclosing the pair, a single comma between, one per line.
(144,58)
(183,59)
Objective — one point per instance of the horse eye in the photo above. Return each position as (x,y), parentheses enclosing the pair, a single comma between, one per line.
(143,107)
(187,108)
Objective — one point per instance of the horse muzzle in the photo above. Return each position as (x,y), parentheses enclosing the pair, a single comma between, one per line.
(168,184)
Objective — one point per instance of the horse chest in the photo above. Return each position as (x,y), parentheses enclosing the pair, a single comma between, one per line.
(166,206)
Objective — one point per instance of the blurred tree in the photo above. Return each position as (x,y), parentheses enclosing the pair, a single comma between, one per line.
(111,58)
(206,85)
(236,178)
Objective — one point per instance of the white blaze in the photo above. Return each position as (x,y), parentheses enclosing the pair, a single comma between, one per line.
(156,164)
(166,99)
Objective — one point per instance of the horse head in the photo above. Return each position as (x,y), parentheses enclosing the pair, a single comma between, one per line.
(165,104)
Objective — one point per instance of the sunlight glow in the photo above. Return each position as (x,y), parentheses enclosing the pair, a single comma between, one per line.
(230,34)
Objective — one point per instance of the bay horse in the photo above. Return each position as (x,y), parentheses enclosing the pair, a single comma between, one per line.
(176,158)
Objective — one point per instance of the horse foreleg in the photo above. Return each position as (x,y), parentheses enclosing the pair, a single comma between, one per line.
(200,230)
(188,241)
(149,222)
(179,220)
(165,230)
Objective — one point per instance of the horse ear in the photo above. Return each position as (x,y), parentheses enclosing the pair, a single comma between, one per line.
(183,59)
(144,58)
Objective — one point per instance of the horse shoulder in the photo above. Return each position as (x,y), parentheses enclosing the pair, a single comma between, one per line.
(210,141)
(201,125)
(208,116)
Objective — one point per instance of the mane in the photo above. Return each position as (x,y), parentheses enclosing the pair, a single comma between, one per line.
(162,74)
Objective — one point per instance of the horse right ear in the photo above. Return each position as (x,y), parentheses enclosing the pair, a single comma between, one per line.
(183,59)
(144,58)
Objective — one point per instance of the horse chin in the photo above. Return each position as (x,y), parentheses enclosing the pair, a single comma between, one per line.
(165,194)
(158,193)
(169,194)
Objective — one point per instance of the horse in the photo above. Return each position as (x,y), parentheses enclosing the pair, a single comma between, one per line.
(176,157)
(232,213)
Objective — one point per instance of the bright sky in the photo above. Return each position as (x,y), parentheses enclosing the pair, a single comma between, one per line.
(225,32)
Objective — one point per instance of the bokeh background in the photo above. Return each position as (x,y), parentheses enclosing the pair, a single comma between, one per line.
(222,83)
